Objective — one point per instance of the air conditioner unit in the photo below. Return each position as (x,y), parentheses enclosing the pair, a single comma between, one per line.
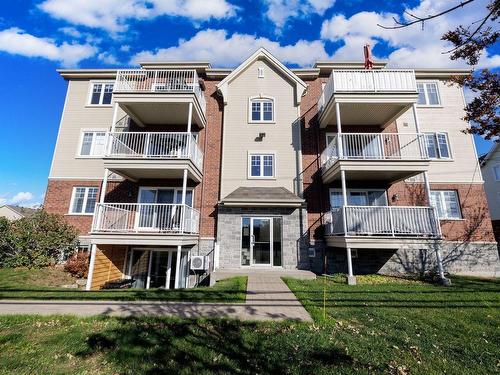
(199,263)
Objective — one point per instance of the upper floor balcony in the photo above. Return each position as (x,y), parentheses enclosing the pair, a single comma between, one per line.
(368,97)
(388,157)
(145,223)
(160,96)
(138,155)
(374,226)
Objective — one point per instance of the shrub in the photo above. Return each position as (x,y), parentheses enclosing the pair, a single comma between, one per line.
(37,241)
(78,265)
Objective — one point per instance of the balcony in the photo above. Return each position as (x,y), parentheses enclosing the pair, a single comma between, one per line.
(160,96)
(361,226)
(136,155)
(145,224)
(388,157)
(368,97)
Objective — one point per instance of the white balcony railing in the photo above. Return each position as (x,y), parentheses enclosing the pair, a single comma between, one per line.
(160,81)
(383,221)
(145,218)
(368,81)
(136,145)
(375,146)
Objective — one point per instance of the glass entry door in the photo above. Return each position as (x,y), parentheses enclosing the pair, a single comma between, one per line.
(261,241)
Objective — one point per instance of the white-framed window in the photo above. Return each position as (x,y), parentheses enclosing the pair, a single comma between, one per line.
(446,204)
(101,93)
(438,146)
(261,165)
(358,197)
(83,200)
(428,94)
(92,143)
(165,195)
(261,110)
(496,172)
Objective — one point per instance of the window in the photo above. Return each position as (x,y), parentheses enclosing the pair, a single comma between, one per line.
(358,198)
(428,93)
(496,172)
(93,143)
(262,110)
(101,93)
(437,145)
(446,204)
(262,165)
(83,200)
(260,72)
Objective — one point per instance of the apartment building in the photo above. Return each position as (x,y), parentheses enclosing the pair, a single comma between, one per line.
(332,168)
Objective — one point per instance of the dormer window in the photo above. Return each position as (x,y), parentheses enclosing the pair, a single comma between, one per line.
(261,110)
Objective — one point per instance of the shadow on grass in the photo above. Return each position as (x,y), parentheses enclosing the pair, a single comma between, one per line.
(218,346)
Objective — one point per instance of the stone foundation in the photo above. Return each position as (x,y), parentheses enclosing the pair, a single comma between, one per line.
(473,259)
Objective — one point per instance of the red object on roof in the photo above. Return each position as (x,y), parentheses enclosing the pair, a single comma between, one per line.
(368,56)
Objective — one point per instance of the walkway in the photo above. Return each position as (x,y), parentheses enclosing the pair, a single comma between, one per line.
(268,298)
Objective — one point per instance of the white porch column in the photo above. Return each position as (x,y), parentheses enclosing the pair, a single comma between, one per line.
(183,200)
(344,201)
(439,258)
(340,144)
(177,267)
(93,250)
(115,117)
(190,117)
(148,279)
(104,186)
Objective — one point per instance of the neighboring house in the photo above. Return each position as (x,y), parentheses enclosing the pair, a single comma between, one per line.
(490,168)
(15,212)
(179,159)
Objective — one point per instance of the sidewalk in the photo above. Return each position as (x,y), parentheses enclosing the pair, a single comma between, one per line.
(268,298)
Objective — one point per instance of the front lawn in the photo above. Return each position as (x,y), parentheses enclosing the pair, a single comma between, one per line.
(386,328)
(40,284)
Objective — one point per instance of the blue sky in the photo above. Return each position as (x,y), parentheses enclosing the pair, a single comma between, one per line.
(39,36)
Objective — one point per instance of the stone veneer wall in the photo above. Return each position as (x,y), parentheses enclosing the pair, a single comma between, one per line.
(465,258)
(294,254)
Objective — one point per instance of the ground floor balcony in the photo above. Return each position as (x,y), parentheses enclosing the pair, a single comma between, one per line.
(145,224)
(374,226)
(138,155)
(389,157)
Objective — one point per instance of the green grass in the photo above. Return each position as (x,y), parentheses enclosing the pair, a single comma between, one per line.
(36,284)
(385,326)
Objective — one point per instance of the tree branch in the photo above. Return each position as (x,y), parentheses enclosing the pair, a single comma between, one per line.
(419,19)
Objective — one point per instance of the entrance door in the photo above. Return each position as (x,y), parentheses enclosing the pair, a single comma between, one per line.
(261,241)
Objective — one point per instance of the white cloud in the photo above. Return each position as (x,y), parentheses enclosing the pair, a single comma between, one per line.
(108,58)
(279,11)
(17,42)
(22,196)
(411,46)
(113,15)
(223,50)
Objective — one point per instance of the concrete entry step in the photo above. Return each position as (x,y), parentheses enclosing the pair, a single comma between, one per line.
(225,273)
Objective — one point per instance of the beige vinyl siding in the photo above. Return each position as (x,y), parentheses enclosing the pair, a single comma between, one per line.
(282,137)
(492,187)
(463,167)
(77,116)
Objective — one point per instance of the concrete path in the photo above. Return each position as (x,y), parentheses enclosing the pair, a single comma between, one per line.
(268,298)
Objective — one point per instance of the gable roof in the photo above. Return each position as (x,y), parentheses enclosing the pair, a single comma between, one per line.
(23,211)
(262,53)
